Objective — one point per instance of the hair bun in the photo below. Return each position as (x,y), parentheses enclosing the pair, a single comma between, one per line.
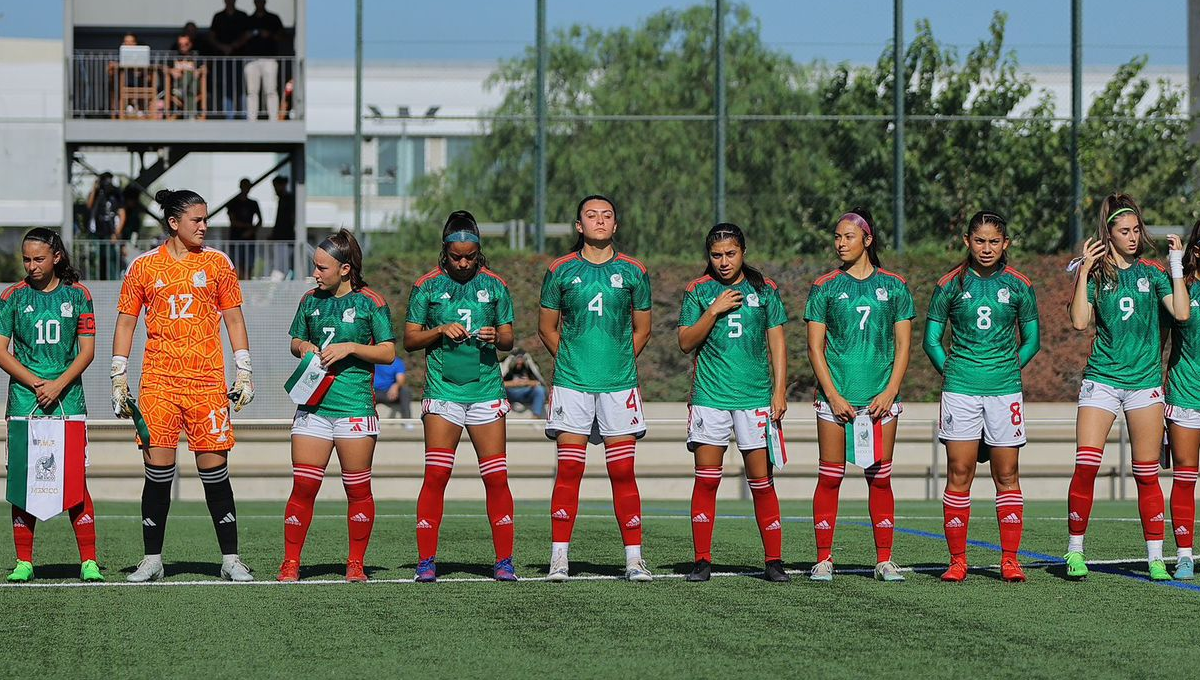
(162,196)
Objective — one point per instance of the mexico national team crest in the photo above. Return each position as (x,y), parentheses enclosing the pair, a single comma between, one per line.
(1003,295)
(1143,285)
(67,310)
(881,294)
(616,280)
(752,300)
(482,296)
(348,315)
(200,279)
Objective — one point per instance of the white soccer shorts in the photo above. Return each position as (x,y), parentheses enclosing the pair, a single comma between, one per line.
(1184,417)
(998,420)
(825,413)
(596,416)
(715,426)
(466,415)
(329,429)
(1114,400)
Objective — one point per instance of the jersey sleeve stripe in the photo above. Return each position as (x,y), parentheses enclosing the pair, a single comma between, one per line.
(12,289)
(82,288)
(1153,263)
(134,261)
(826,278)
(1024,279)
(373,296)
(562,260)
(625,258)
(894,275)
(770,282)
(948,276)
(703,279)
(431,274)
(494,275)
(228,261)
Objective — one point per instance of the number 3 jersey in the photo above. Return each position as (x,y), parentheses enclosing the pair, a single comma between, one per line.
(360,316)
(465,372)
(597,301)
(183,300)
(983,315)
(732,369)
(44,328)
(1127,353)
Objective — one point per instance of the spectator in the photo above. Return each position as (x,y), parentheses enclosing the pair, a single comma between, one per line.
(185,84)
(244,220)
(285,226)
(227,35)
(523,382)
(391,388)
(262,69)
(106,208)
(131,216)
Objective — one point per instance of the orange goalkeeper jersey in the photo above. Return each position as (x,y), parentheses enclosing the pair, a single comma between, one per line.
(183,300)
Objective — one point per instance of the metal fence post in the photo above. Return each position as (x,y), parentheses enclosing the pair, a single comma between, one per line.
(1076,121)
(539,188)
(720,115)
(900,83)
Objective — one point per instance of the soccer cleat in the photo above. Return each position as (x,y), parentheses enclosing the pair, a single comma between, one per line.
(354,572)
(1011,571)
(1076,565)
(234,569)
(503,570)
(957,571)
(1184,569)
(1158,571)
(426,571)
(289,571)
(888,572)
(89,571)
(22,573)
(821,571)
(638,571)
(559,568)
(149,569)
(775,573)
(702,571)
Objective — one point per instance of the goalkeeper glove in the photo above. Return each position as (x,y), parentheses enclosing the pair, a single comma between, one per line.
(121,398)
(242,392)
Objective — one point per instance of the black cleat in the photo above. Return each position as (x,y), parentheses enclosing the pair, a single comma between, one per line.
(775,572)
(701,572)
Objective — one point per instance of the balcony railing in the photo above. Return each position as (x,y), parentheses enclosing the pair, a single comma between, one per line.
(171,87)
(270,260)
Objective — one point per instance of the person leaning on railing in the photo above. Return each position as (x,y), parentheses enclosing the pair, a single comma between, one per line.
(185,81)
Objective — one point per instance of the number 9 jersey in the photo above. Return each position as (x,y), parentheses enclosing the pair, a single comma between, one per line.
(1127,351)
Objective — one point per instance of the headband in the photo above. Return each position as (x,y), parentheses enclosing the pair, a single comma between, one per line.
(857,220)
(461,237)
(334,251)
(1119,211)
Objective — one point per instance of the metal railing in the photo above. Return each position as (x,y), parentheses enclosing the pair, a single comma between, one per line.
(269,260)
(173,87)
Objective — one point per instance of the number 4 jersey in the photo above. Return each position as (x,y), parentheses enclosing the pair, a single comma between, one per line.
(44,328)
(1127,351)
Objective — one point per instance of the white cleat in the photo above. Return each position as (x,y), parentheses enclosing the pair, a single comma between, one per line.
(821,571)
(559,569)
(638,571)
(234,569)
(149,569)
(888,571)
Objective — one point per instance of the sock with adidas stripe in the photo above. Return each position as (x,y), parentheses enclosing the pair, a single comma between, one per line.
(956,511)
(627,502)
(1081,492)
(439,463)
(1151,506)
(766,512)
(1010,513)
(825,506)
(156,503)
(218,495)
(360,511)
(297,515)
(881,504)
(23,527)
(704,509)
(564,500)
(1183,507)
(83,521)
(494,470)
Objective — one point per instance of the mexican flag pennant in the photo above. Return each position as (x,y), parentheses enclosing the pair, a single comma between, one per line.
(864,440)
(309,382)
(45,464)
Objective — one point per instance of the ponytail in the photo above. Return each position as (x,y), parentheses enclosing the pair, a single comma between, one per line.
(176,203)
(343,247)
(62,269)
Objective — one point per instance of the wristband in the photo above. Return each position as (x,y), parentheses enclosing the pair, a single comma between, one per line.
(1175,260)
(120,365)
(241,359)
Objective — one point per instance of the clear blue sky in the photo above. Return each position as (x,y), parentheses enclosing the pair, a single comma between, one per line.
(854,30)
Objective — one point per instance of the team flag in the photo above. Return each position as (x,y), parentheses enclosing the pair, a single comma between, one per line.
(309,382)
(864,440)
(45,464)
(776,447)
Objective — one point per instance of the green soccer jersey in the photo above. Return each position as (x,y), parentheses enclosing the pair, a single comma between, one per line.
(860,329)
(732,371)
(597,302)
(1183,374)
(361,316)
(1126,352)
(983,315)
(461,372)
(44,329)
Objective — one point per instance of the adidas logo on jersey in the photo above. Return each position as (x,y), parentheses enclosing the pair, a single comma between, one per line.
(1157,518)
(773,526)
(634,523)
(954,523)
(966,295)
(28,309)
(424,524)
(577,280)
(86,519)
(1011,518)
(316,312)
(822,525)
(560,514)
(1074,516)
(228,519)
(504,521)
(1181,530)
(445,296)
(843,296)
(701,519)
(1196,303)
(293,520)
(147,522)
(360,517)
(159,284)
(885,523)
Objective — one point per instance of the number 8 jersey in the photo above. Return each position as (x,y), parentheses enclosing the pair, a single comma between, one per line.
(1127,352)
(597,301)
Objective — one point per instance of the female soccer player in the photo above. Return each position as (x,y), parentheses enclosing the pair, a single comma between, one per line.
(1122,291)
(186,289)
(48,318)
(460,314)
(984,301)
(859,329)
(595,320)
(730,317)
(348,326)
(1183,414)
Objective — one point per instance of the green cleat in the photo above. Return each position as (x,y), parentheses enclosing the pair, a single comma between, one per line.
(89,571)
(1158,571)
(22,573)
(1076,566)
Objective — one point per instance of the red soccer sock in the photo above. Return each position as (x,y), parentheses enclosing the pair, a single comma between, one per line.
(825,506)
(564,501)
(704,509)
(360,511)
(1010,513)
(297,516)
(766,512)
(1083,488)
(1151,505)
(882,505)
(431,500)
(956,509)
(1183,505)
(494,471)
(83,521)
(23,526)
(627,503)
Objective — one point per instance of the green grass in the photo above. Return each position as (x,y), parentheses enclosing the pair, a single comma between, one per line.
(1108,626)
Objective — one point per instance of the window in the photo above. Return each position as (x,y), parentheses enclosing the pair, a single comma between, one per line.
(401,160)
(330,162)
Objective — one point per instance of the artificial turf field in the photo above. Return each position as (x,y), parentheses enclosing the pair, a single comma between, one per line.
(1114,624)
